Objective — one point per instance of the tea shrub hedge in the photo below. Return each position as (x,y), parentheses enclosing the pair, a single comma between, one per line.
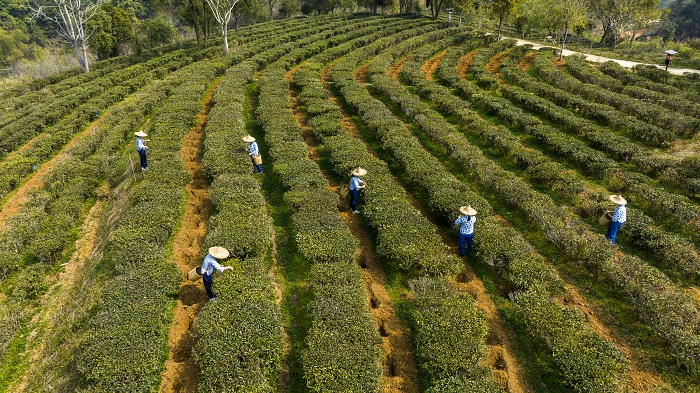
(628,273)
(524,263)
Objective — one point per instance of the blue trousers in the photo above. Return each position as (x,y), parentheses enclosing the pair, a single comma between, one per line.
(142,157)
(353,199)
(468,239)
(612,231)
(207,285)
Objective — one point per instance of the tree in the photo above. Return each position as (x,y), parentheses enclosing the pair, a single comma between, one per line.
(270,5)
(618,16)
(113,29)
(686,15)
(249,7)
(557,16)
(222,10)
(289,8)
(69,17)
(436,6)
(157,32)
(502,9)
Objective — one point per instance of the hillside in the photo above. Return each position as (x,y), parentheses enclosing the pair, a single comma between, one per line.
(95,252)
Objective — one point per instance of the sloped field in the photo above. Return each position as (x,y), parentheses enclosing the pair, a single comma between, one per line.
(94,253)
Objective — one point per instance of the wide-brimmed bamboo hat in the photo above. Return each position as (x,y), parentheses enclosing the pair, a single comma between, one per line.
(140,133)
(248,138)
(359,171)
(618,199)
(218,252)
(467,210)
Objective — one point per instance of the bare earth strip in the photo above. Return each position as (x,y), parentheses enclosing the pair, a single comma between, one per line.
(428,68)
(500,359)
(15,201)
(181,373)
(401,373)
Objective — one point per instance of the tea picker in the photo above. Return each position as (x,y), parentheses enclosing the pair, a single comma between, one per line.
(210,263)
(617,217)
(466,228)
(254,154)
(141,148)
(355,185)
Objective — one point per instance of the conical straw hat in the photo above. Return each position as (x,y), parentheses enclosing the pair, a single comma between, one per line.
(218,252)
(467,210)
(140,133)
(618,199)
(248,138)
(359,171)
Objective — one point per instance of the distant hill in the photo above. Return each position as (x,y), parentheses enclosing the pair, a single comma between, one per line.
(686,14)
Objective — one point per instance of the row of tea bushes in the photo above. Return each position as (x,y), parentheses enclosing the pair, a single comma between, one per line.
(667,309)
(37,237)
(245,309)
(685,109)
(124,345)
(405,238)
(630,78)
(439,314)
(681,125)
(17,165)
(672,207)
(675,252)
(588,362)
(339,308)
(688,83)
(450,334)
(618,146)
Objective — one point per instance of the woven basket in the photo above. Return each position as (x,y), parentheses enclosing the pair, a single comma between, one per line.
(194,274)
(257,160)
(604,220)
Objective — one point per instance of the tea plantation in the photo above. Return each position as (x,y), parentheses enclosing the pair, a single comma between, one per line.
(94,252)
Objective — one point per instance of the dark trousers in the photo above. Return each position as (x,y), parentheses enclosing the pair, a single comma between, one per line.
(353,199)
(612,231)
(468,239)
(207,285)
(142,157)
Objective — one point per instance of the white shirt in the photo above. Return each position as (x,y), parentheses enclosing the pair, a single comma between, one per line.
(139,143)
(253,148)
(466,226)
(209,265)
(356,183)
(620,214)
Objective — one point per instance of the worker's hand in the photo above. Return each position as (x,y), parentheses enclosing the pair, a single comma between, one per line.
(228,268)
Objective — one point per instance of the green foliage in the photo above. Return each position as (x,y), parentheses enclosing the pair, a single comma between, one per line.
(113,30)
(154,32)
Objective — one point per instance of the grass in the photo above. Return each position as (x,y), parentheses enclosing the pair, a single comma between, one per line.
(294,269)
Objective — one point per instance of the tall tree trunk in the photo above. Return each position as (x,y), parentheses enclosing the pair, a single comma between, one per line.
(500,24)
(197,31)
(224,32)
(269,17)
(563,40)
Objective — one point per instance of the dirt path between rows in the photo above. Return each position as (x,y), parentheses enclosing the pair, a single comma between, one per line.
(400,370)
(464,62)
(181,373)
(396,68)
(494,64)
(428,68)
(16,199)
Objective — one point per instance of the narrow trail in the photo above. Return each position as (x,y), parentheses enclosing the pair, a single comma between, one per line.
(601,59)
(58,295)
(526,62)
(494,63)
(641,373)
(401,372)
(181,373)
(464,62)
(19,196)
(500,358)
(428,68)
(395,68)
